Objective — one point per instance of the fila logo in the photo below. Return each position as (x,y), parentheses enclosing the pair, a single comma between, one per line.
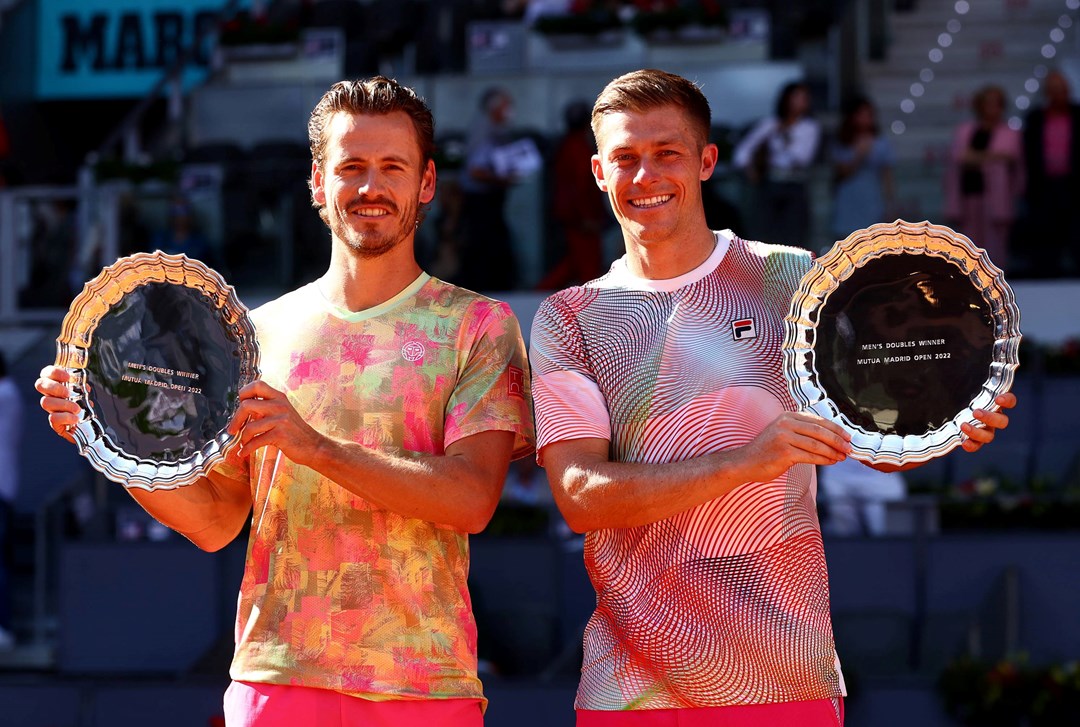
(743,329)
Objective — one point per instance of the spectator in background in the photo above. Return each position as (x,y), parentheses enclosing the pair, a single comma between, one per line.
(10,432)
(487,257)
(1052,155)
(776,156)
(855,497)
(984,175)
(578,206)
(181,236)
(862,163)
(539,8)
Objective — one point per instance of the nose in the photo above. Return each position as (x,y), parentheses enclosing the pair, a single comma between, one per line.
(645,171)
(369,182)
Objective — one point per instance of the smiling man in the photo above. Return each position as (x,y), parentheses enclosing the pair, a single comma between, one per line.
(670,439)
(380,435)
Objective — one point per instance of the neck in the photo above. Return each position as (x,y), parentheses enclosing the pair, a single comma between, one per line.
(356,283)
(669,258)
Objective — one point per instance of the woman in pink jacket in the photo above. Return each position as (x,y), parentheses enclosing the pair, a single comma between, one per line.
(985,175)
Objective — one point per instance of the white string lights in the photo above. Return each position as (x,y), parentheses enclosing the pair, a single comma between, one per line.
(935,55)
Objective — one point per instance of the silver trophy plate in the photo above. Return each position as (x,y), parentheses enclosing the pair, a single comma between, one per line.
(159,347)
(898,334)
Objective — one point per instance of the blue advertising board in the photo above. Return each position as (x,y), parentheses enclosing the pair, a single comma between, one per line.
(119,48)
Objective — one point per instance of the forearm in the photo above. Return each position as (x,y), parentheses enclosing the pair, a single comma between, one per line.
(596,495)
(745,149)
(209,512)
(448,489)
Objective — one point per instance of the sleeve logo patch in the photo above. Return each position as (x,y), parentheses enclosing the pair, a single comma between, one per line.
(743,329)
(515,382)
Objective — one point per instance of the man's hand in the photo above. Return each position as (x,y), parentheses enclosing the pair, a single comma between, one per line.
(267,417)
(64,413)
(795,438)
(976,436)
(991,421)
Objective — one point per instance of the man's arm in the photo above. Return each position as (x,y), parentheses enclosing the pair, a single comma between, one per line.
(210,512)
(595,493)
(744,150)
(460,488)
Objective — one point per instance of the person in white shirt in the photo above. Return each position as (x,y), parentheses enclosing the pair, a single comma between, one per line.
(856,497)
(776,156)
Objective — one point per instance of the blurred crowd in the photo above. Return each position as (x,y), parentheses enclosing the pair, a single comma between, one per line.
(1010,190)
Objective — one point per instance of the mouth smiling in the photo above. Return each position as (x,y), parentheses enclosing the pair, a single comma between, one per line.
(649,202)
(370,210)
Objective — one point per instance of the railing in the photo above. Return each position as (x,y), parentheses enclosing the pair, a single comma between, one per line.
(127,131)
(50,237)
(48,534)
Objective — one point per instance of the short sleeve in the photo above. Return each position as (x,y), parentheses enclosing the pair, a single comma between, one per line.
(492,391)
(569,403)
(744,150)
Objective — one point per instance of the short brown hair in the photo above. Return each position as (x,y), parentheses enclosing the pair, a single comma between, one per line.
(377,95)
(649,89)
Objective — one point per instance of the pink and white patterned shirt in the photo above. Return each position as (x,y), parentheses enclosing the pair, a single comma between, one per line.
(727,603)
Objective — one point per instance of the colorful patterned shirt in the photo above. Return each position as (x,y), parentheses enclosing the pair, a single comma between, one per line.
(338,593)
(727,603)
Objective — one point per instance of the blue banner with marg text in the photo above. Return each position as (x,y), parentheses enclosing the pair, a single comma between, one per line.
(119,48)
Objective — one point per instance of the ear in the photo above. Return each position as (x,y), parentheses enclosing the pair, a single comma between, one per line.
(427,183)
(318,194)
(709,156)
(598,173)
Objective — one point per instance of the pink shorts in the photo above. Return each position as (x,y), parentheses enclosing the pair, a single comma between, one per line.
(274,705)
(816,713)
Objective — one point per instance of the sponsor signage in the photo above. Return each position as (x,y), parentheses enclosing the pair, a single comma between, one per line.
(119,48)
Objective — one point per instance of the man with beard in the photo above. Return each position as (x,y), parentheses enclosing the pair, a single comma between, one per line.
(390,407)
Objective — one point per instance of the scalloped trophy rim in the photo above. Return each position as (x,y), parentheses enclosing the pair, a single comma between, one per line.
(96,299)
(824,277)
